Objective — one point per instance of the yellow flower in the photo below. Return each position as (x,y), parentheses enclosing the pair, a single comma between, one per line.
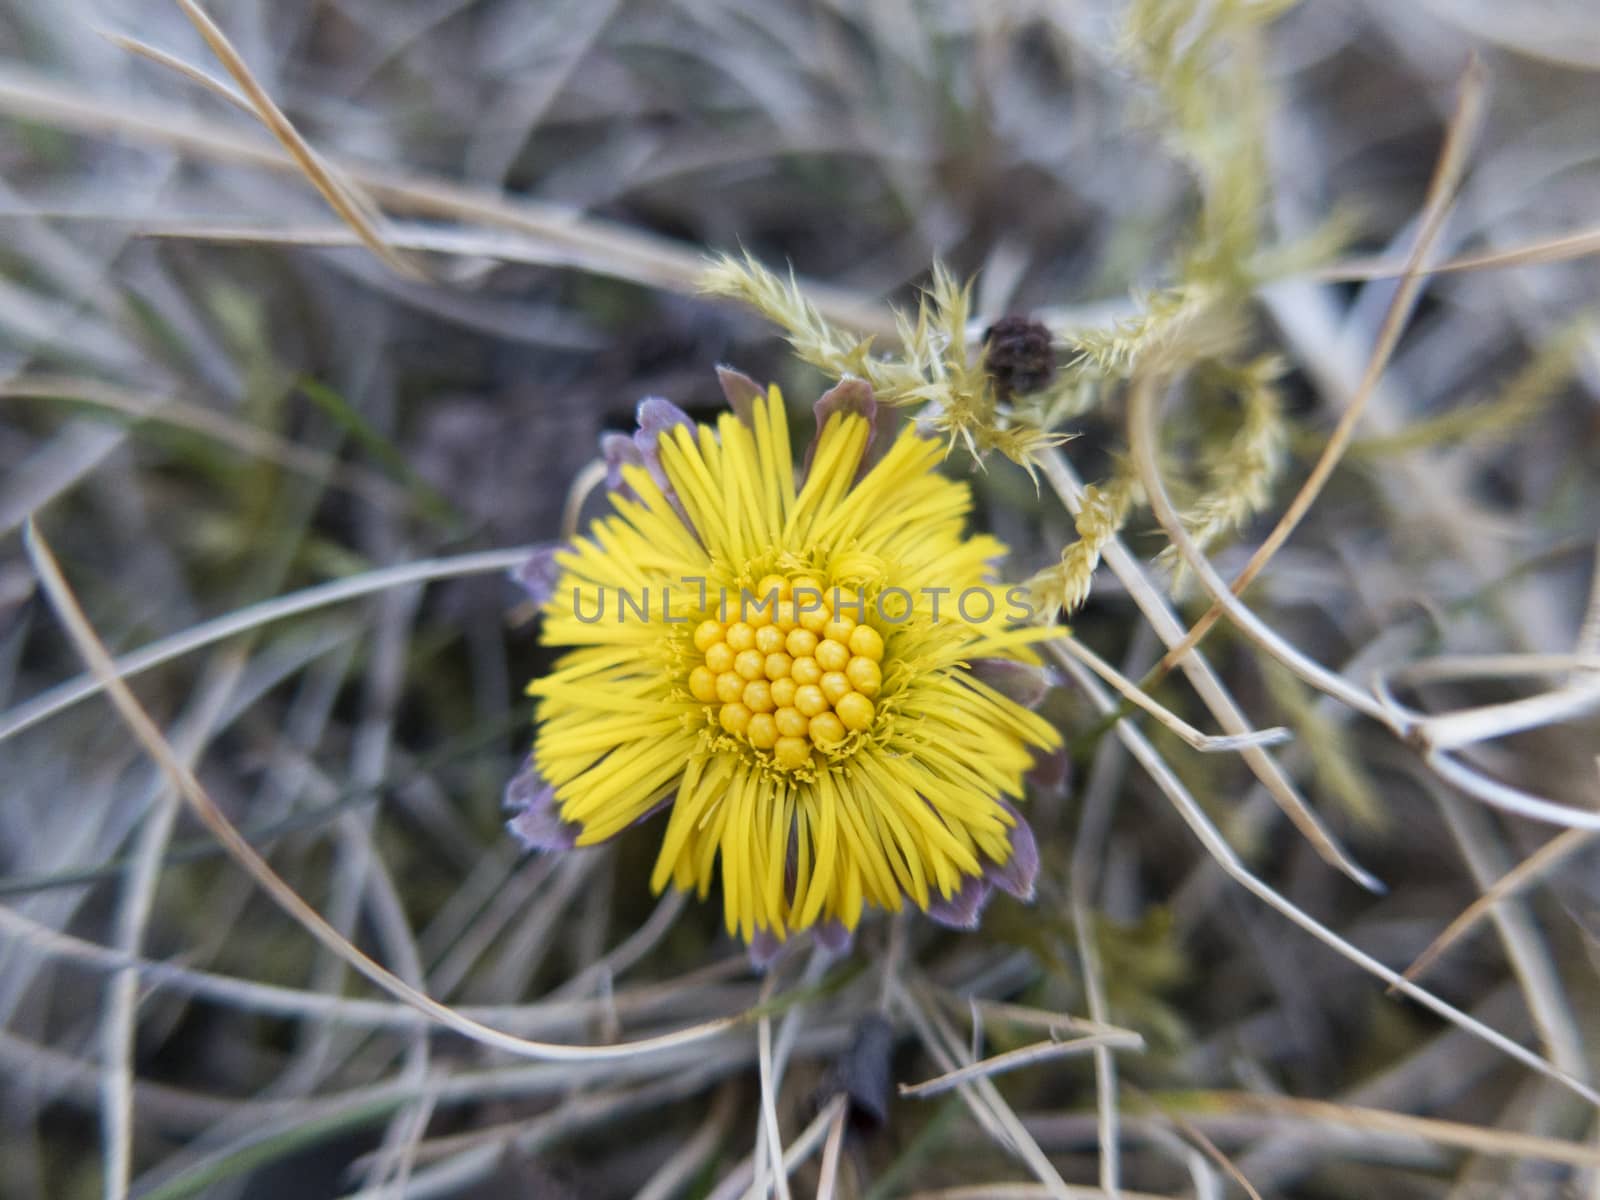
(815,678)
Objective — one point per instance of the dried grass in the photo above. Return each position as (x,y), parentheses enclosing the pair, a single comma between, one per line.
(308,313)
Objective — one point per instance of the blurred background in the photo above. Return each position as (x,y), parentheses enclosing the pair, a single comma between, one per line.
(213,394)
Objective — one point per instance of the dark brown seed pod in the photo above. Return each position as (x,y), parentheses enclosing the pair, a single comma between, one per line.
(1018,355)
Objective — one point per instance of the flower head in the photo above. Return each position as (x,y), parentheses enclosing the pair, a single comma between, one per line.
(815,675)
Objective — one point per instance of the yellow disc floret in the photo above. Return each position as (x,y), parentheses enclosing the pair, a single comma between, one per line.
(802,643)
(762,731)
(866,642)
(735,717)
(791,722)
(794,676)
(835,685)
(792,753)
(758,696)
(864,675)
(826,729)
(855,710)
(832,656)
(703,684)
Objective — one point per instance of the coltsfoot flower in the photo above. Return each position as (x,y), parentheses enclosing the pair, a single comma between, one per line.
(817,677)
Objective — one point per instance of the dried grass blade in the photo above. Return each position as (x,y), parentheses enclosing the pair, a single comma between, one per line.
(342,196)
(1023,1056)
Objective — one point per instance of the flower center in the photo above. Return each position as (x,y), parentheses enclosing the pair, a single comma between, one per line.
(794,672)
